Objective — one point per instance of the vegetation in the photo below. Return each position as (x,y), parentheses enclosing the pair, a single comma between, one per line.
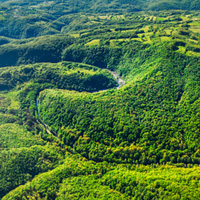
(99,99)
(123,125)
(64,75)
(78,179)
(21,164)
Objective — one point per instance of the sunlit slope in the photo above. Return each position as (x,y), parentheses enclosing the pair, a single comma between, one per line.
(62,75)
(150,120)
(104,40)
(59,108)
(42,49)
(102,6)
(82,179)
(23,153)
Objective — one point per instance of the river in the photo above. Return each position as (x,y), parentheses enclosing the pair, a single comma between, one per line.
(120,82)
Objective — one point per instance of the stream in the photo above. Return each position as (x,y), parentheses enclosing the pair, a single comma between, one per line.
(120,82)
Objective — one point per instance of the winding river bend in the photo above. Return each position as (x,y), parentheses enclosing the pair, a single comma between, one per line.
(120,82)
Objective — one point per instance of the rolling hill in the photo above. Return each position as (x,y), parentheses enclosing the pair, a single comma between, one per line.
(99,99)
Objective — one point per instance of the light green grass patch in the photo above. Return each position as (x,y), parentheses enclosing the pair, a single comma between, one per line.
(91,17)
(137,39)
(75,35)
(114,18)
(168,31)
(181,49)
(93,43)
(195,29)
(147,40)
(193,41)
(161,19)
(79,70)
(145,29)
(192,53)
(9,101)
(195,23)
(14,104)
(122,17)
(15,136)
(103,17)
(164,38)
(7,118)
(114,41)
(129,31)
(2,18)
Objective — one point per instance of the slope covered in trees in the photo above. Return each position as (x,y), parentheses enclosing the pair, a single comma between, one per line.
(78,179)
(25,19)
(153,119)
(24,155)
(66,131)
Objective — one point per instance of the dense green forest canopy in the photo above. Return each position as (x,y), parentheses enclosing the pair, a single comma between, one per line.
(69,129)
(106,5)
(25,19)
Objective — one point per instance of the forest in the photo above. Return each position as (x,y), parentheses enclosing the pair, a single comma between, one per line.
(99,99)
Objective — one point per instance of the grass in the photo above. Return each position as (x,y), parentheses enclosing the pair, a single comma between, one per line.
(195,29)
(161,19)
(168,31)
(129,31)
(2,18)
(14,103)
(93,43)
(114,17)
(103,17)
(192,53)
(184,18)
(147,39)
(15,136)
(9,102)
(145,29)
(181,49)
(195,23)
(79,70)
(193,41)
(113,42)
(7,118)
(164,38)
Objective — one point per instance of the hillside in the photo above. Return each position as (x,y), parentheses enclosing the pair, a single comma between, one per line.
(69,129)
(25,19)
(104,6)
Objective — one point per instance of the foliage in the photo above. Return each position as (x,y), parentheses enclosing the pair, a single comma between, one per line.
(47,184)
(140,141)
(15,136)
(145,122)
(20,165)
(76,179)
(42,49)
(64,75)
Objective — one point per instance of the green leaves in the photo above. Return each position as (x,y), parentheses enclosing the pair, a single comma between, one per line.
(19,165)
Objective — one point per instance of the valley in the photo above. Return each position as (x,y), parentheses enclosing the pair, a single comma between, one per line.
(99,100)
